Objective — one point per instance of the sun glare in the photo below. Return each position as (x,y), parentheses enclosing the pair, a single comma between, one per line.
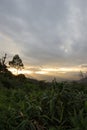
(61,70)
(44,71)
(14,71)
(41,72)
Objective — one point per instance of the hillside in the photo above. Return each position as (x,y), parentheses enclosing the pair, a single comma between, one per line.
(28,104)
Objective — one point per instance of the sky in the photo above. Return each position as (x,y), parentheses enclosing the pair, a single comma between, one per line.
(49,35)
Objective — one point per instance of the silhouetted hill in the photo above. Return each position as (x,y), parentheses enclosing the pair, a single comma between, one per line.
(83,80)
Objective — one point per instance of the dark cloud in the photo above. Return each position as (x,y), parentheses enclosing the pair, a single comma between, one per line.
(45,32)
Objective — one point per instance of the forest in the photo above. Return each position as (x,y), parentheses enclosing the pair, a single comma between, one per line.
(29,104)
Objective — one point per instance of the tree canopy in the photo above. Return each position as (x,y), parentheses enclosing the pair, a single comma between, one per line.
(16,62)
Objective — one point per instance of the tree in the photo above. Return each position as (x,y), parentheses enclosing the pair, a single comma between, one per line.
(16,63)
(3,67)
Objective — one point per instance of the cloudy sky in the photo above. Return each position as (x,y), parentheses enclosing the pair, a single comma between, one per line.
(49,35)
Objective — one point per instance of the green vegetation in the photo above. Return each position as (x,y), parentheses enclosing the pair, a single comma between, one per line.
(28,104)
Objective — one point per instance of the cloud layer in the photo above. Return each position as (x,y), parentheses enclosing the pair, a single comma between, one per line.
(45,32)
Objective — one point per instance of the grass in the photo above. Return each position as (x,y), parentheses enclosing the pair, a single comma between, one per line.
(32,105)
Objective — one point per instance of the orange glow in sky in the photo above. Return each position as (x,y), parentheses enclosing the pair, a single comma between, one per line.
(44,71)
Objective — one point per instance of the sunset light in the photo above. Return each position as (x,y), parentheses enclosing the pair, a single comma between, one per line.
(46,71)
(14,71)
(43,64)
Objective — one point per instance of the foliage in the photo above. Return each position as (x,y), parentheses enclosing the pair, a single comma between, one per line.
(3,67)
(16,62)
(28,104)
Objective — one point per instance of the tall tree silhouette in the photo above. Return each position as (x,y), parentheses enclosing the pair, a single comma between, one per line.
(3,67)
(16,62)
